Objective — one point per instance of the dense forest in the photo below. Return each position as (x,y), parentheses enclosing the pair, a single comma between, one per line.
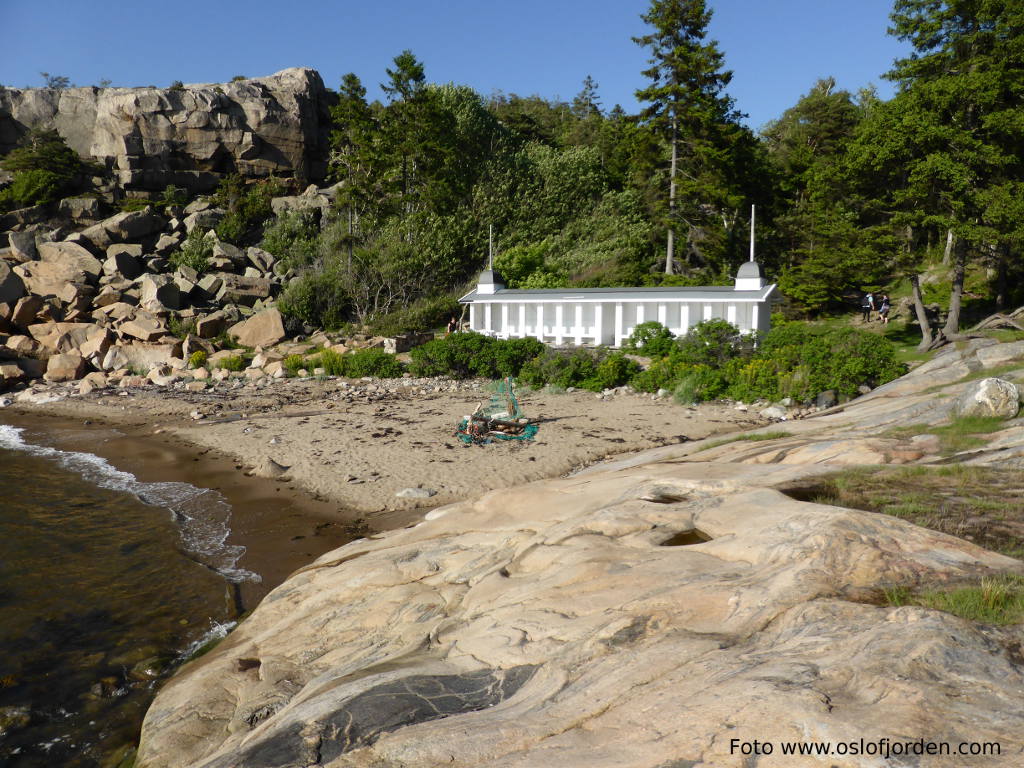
(852,192)
(922,194)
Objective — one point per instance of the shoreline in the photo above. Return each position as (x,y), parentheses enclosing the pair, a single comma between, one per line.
(348,448)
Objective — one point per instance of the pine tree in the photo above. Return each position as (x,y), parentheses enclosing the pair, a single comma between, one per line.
(959,105)
(686,103)
(353,153)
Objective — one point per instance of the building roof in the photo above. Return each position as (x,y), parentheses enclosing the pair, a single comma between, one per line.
(662,293)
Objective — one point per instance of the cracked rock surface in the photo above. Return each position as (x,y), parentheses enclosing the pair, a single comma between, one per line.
(641,612)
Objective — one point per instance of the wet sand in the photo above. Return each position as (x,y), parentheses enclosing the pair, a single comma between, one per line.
(350,448)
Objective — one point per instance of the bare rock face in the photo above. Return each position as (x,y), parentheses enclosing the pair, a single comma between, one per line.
(190,136)
(989,397)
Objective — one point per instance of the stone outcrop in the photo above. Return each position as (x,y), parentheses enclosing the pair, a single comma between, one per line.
(656,610)
(190,136)
(990,397)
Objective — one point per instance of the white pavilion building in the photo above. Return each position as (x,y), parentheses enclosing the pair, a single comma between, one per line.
(607,316)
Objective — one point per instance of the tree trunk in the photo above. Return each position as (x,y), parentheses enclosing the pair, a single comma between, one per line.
(952,327)
(922,315)
(1002,281)
(949,246)
(670,253)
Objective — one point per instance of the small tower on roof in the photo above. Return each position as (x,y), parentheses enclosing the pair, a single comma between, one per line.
(749,278)
(490,282)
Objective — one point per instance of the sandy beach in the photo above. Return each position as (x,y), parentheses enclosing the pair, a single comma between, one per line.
(349,447)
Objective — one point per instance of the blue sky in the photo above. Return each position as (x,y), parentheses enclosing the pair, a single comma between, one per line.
(776,50)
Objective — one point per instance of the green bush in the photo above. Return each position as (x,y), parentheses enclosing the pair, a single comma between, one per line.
(711,343)
(613,371)
(700,383)
(248,206)
(195,252)
(423,314)
(197,359)
(293,364)
(562,368)
(509,357)
(661,374)
(372,362)
(317,298)
(752,379)
(593,369)
(460,355)
(33,187)
(294,238)
(651,339)
(234,363)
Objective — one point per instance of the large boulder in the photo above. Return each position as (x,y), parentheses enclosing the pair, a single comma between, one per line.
(238,289)
(989,397)
(144,327)
(188,136)
(60,337)
(23,245)
(263,329)
(65,367)
(132,225)
(12,287)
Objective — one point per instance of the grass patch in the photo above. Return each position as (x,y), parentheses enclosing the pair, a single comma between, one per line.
(753,438)
(995,600)
(234,363)
(979,504)
(959,435)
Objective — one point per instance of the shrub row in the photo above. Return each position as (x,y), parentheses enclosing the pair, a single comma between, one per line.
(793,360)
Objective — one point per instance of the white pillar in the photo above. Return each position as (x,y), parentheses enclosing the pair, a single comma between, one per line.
(599,324)
(619,335)
(684,319)
(640,312)
(730,313)
(504,321)
(522,320)
(472,317)
(539,315)
(754,317)
(559,328)
(577,324)
(663,313)
(487,318)
(707,311)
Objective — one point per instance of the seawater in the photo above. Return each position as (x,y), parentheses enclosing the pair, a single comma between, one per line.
(106,584)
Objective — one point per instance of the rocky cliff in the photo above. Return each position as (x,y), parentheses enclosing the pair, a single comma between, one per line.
(667,609)
(188,136)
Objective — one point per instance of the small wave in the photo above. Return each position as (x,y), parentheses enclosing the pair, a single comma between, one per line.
(202,515)
(217,631)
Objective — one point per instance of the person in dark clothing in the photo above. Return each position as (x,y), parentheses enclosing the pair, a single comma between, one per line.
(867,304)
(453,324)
(883,309)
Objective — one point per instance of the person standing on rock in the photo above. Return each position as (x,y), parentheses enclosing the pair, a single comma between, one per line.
(867,303)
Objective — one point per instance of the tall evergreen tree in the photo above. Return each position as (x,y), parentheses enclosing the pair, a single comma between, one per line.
(959,102)
(686,103)
(353,153)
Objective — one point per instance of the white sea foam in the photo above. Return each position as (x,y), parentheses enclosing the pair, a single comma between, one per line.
(202,515)
(217,631)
